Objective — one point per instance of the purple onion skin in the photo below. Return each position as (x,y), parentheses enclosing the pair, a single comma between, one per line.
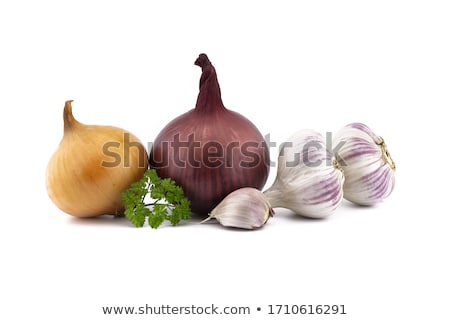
(210,151)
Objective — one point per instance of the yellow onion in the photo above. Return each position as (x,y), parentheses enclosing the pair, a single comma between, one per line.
(92,166)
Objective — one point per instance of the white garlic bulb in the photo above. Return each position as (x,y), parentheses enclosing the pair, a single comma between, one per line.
(309,181)
(367,164)
(244,208)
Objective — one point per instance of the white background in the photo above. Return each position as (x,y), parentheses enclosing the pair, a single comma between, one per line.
(286,65)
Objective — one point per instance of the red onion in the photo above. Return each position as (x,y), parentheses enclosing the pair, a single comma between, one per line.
(210,151)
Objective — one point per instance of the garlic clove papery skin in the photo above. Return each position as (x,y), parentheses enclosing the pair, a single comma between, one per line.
(309,181)
(367,164)
(85,177)
(244,208)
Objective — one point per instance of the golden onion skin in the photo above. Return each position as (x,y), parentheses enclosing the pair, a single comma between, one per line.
(93,164)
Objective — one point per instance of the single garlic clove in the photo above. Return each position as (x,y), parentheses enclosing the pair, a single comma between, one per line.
(367,164)
(244,208)
(309,181)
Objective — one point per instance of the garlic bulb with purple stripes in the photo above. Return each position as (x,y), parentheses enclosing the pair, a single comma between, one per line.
(367,164)
(309,181)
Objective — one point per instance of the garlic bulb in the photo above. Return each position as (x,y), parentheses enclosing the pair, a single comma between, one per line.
(92,166)
(367,164)
(245,208)
(309,181)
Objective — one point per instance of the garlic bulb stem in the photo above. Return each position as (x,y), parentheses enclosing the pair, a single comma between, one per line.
(276,194)
(386,155)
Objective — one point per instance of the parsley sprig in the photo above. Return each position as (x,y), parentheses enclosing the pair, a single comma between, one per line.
(167,201)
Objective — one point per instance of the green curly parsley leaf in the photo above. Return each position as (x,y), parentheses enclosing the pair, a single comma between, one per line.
(169,202)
